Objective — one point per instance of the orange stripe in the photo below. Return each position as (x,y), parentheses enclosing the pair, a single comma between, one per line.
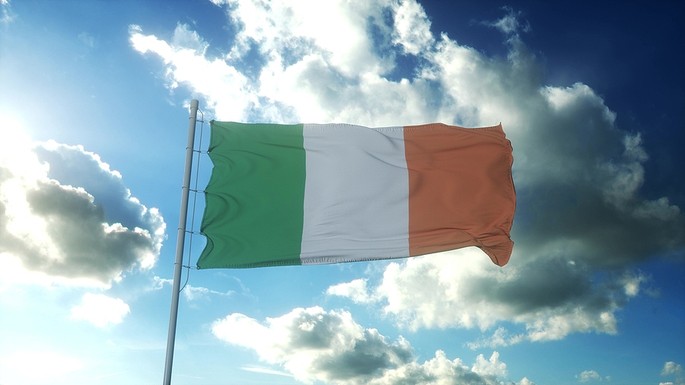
(460,189)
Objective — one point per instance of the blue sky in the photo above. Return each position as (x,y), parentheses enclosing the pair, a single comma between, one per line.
(93,120)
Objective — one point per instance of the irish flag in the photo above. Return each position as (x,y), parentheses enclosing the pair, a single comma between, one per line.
(328,193)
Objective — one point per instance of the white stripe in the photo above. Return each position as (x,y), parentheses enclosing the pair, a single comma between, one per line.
(356,193)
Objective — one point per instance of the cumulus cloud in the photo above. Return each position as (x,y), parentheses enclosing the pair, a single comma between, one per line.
(491,367)
(411,27)
(583,221)
(461,289)
(589,375)
(671,368)
(675,371)
(100,310)
(286,60)
(66,216)
(329,346)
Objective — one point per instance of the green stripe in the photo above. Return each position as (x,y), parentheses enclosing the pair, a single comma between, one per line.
(255,196)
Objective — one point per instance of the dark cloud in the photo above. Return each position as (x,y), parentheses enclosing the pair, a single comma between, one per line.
(562,284)
(74,166)
(329,346)
(580,188)
(584,220)
(64,213)
(369,356)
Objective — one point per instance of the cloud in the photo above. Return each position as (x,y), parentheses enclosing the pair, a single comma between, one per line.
(511,23)
(260,369)
(583,220)
(411,27)
(460,289)
(186,64)
(286,60)
(193,293)
(589,375)
(674,370)
(671,368)
(190,293)
(100,310)
(355,290)
(492,367)
(288,31)
(66,216)
(329,346)
(6,14)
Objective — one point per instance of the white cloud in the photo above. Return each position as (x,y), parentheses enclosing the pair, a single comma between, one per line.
(66,217)
(674,370)
(261,369)
(589,375)
(194,293)
(302,61)
(511,23)
(500,337)
(671,368)
(100,310)
(461,289)
(187,65)
(286,30)
(582,221)
(329,346)
(6,14)
(491,367)
(355,290)
(190,293)
(412,27)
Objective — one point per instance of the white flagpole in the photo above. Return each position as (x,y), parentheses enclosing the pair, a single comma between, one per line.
(180,240)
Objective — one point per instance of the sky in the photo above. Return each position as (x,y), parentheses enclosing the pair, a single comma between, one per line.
(94,100)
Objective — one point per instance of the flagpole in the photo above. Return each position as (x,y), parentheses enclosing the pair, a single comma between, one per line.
(180,241)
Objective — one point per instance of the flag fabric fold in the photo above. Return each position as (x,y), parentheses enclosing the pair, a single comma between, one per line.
(329,193)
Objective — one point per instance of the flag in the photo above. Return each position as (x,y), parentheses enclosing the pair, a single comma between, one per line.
(328,193)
